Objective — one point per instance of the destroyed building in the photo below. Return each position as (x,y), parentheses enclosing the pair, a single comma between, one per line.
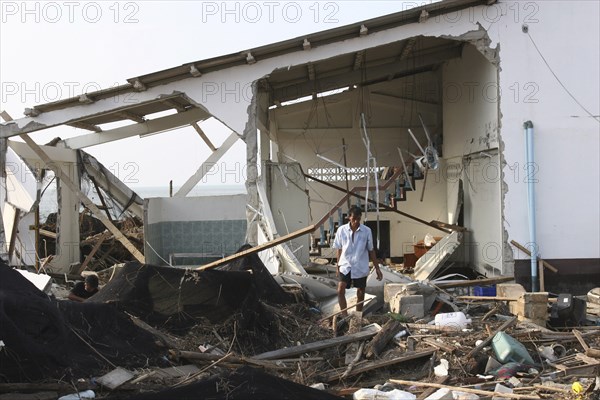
(466,129)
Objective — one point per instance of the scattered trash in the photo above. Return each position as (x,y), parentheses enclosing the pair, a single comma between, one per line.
(176,330)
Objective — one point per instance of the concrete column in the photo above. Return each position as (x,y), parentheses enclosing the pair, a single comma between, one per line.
(67,241)
(250,137)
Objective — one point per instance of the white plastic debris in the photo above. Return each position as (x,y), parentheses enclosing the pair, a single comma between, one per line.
(373,394)
(442,368)
(87,394)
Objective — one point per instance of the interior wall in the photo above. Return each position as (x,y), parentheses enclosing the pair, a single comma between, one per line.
(470,110)
(210,226)
(288,200)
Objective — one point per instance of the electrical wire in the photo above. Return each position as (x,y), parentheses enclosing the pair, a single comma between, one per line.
(596,117)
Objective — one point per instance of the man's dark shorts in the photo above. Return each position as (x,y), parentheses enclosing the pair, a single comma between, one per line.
(359,283)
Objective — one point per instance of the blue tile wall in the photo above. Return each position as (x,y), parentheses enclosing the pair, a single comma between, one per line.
(213,237)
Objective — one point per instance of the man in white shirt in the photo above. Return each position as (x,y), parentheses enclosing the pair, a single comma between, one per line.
(354,245)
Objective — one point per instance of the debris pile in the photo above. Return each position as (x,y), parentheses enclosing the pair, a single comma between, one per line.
(235,333)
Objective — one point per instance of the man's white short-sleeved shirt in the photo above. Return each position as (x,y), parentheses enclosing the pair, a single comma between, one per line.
(355,251)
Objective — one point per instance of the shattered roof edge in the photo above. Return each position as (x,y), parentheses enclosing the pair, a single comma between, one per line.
(271,50)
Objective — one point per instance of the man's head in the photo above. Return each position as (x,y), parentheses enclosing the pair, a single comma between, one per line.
(91,283)
(354,216)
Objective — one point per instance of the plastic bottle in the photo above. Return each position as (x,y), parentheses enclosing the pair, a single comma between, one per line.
(86,394)
(456,320)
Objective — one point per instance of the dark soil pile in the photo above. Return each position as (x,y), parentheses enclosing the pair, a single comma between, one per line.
(242,384)
(47,338)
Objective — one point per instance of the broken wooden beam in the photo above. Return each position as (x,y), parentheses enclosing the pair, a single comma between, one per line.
(387,333)
(369,332)
(486,298)
(440,345)
(501,328)
(193,355)
(105,235)
(165,339)
(371,365)
(466,390)
(590,352)
(524,250)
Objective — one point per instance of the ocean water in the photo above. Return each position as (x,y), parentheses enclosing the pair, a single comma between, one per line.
(49,203)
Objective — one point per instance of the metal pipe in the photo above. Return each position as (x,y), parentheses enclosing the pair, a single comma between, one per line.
(530,167)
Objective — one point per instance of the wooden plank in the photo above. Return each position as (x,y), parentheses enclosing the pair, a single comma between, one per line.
(524,250)
(314,346)
(47,233)
(440,345)
(488,298)
(193,355)
(464,389)
(580,339)
(387,333)
(83,198)
(541,275)
(166,340)
(371,365)
(89,257)
(203,136)
(258,248)
(501,328)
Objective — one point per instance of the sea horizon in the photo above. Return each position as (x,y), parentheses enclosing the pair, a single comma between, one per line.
(48,203)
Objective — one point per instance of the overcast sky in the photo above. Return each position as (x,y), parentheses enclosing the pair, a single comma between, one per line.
(52,50)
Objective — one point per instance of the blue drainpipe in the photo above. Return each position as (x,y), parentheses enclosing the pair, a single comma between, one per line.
(531,202)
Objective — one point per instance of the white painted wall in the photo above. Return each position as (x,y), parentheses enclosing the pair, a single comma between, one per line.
(566,138)
(202,208)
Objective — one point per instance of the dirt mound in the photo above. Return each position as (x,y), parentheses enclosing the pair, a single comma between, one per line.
(242,384)
(48,338)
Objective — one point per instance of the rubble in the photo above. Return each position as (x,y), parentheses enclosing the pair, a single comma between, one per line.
(236,332)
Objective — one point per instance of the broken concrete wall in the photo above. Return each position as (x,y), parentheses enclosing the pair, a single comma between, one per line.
(193,230)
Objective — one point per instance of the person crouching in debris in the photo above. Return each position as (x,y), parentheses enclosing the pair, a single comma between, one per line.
(354,245)
(84,290)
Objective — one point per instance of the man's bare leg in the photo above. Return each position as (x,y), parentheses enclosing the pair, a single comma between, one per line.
(360,296)
(341,292)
